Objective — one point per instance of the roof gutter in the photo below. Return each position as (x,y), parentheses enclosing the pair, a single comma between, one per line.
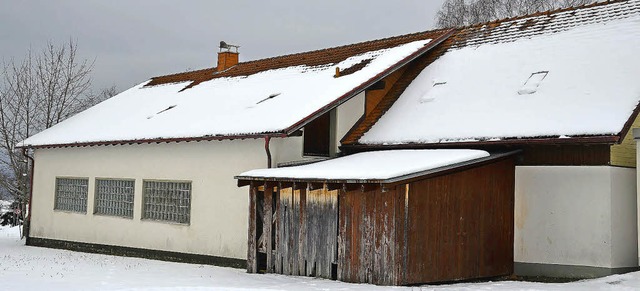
(470,144)
(357,90)
(156,140)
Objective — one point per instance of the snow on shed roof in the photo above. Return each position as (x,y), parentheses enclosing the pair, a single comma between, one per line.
(570,73)
(367,166)
(250,99)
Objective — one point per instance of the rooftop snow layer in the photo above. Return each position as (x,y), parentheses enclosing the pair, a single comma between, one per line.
(581,81)
(366,166)
(268,101)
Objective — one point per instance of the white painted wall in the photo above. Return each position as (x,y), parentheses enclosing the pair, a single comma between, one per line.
(219,209)
(576,215)
(636,136)
(347,115)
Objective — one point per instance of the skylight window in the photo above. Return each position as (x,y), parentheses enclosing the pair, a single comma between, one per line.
(434,92)
(532,84)
(270,97)
(161,111)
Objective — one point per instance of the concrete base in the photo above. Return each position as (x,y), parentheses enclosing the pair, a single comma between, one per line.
(137,252)
(566,271)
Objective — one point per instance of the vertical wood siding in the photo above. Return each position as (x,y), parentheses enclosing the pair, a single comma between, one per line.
(370,233)
(452,227)
(566,155)
(456,226)
(461,225)
(252,249)
(307,224)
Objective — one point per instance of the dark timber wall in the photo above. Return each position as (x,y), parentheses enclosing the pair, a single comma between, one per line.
(455,225)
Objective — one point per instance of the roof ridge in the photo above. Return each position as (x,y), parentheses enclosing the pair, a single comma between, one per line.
(408,35)
(540,13)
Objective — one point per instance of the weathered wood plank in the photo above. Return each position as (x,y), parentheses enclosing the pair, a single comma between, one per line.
(278,231)
(267,225)
(285,231)
(303,240)
(295,232)
(252,248)
(345,235)
(460,225)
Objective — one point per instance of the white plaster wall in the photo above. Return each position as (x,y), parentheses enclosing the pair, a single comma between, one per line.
(575,215)
(347,115)
(636,134)
(219,209)
(624,229)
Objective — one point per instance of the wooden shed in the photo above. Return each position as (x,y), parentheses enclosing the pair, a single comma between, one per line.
(390,218)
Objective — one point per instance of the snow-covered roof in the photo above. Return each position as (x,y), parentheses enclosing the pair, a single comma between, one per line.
(565,74)
(250,99)
(368,166)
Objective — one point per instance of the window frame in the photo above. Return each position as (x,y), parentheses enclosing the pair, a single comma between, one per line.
(96,197)
(56,193)
(144,203)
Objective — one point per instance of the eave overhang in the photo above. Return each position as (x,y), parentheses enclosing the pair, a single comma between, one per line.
(385,183)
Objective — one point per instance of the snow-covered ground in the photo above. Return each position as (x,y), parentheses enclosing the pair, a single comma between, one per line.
(31,268)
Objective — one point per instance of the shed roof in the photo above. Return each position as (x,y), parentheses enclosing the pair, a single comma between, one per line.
(372,167)
(274,96)
(564,75)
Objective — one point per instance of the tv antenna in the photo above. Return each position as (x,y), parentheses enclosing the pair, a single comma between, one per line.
(228,47)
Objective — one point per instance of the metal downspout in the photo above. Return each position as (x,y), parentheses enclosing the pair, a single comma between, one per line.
(267,139)
(31,167)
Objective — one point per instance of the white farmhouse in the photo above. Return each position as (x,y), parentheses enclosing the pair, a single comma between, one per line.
(150,171)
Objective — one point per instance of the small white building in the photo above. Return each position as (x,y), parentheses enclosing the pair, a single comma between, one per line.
(149,172)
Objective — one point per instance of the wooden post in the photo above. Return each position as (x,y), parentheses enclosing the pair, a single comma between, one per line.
(267,224)
(276,232)
(302,235)
(252,248)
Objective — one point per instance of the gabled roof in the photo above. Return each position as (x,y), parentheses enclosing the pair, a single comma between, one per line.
(269,97)
(567,75)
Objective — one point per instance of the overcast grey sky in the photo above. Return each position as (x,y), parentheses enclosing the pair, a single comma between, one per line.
(132,41)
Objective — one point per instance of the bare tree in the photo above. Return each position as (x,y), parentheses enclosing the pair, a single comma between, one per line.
(456,13)
(36,93)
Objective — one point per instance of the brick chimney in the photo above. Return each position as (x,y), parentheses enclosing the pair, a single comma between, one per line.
(227,60)
(226,57)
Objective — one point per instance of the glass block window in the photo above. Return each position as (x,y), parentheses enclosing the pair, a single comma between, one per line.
(71,194)
(114,197)
(167,201)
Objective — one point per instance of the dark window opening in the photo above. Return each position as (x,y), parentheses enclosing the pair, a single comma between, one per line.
(317,137)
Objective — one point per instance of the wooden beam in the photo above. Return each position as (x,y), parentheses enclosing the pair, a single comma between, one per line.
(368,187)
(267,225)
(270,186)
(302,234)
(334,186)
(277,229)
(252,248)
(348,187)
(315,185)
(285,185)
(242,183)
